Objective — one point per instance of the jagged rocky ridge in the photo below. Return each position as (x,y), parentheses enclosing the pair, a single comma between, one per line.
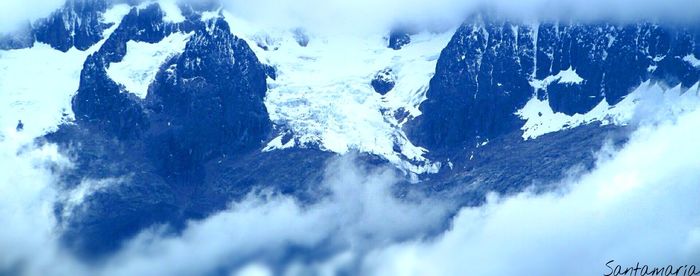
(76,24)
(182,152)
(492,67)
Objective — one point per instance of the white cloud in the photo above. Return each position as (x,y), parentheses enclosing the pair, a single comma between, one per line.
(27,194)
(364,15)
(639,206)
(361,15)
(360,213)
(14,13)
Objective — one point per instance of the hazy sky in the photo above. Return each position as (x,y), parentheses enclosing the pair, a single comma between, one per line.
(15,12)
(341,14)
(358,14)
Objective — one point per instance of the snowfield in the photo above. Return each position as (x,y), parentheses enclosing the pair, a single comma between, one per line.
(37,84)
(322,94)
(540,119)
(139,67)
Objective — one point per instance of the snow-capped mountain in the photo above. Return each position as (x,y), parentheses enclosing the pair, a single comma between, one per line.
(170,111)
(491,69)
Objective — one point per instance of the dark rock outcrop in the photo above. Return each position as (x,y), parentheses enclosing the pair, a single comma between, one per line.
(383,81)
(173,152)
(399,38)
(481,78)
(484,74)
(207,102)
(77,24)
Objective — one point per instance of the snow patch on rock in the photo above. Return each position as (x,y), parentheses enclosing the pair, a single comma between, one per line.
(694,61)
(278,143)
(172,12)
(115,14)
(568,76)
(139,67)
(540,119)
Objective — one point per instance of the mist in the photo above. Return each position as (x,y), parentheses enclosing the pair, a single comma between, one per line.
(361,213)
(17,13)
(363,15)
(639,204)
(367,15)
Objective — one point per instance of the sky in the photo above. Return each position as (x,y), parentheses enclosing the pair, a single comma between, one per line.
(343,15)
(346,15)
(15,13)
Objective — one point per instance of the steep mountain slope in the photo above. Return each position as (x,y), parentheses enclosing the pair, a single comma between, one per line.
(491,68)
(205,106)
(77,24)
(499,83)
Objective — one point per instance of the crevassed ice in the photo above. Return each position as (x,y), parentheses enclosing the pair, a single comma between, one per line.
(323,94)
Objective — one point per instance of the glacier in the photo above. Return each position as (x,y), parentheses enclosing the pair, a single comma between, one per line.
(323,97)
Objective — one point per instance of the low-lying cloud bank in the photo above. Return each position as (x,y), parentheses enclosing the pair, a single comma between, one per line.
(363,15)
(360,213)
(28,235)
(347,16)
(638,205)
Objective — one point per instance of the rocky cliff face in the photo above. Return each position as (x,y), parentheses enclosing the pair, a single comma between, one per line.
(208,101)
(491,68)
(100,102)
(202,114)
(77,24)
